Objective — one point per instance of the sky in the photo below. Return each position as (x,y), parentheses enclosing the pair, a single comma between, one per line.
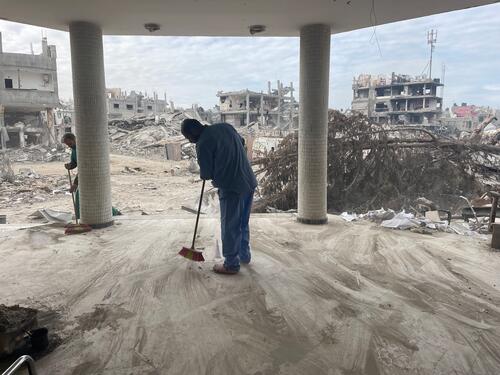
(192,69)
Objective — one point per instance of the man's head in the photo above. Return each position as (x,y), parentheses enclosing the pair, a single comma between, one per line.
(69,139)
(192,129)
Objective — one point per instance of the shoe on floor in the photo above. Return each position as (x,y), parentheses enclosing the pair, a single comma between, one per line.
(219,268)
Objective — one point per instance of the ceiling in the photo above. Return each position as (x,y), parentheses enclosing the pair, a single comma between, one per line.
(222,17)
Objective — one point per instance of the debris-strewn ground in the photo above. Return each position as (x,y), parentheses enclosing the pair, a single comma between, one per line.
(139,186)
(371,166)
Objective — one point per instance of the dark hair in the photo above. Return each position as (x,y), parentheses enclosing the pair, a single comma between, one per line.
(69,136)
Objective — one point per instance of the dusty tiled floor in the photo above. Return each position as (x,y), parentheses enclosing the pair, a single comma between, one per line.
(346,298)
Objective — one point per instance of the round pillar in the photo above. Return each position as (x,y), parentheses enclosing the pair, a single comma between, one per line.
(313,123)
(91,124)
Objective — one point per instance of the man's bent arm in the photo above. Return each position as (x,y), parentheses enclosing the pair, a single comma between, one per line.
(205,161)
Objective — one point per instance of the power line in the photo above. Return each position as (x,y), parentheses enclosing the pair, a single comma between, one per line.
(374,22)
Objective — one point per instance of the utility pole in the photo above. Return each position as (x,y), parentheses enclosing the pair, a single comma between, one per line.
(431,40)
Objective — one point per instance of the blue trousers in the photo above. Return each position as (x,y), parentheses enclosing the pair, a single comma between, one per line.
(235,213)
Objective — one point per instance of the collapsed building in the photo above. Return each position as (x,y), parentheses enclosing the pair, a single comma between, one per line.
(399,99)
(276,108)
(28,96)
(465,118)
(121,105)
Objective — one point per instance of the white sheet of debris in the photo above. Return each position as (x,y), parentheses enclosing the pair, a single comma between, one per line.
(402,220)
(53,216)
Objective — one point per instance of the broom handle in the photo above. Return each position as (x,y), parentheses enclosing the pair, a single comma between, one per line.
(198,214)
(72,196)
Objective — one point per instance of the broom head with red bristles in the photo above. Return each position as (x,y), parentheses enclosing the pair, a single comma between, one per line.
(192,254)
(77,228)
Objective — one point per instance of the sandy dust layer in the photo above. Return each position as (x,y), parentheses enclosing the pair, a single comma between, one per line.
(153,190)
(338,299)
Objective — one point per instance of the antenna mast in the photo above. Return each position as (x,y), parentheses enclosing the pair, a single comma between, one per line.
(431,39)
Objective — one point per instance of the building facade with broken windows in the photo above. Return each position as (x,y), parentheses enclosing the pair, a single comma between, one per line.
(276,108)
(121,105)
(28,88)
(398,99)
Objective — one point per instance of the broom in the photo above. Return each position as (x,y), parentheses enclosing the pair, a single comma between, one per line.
(192,254)
(75,228)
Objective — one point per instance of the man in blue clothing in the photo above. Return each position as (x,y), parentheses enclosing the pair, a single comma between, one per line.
(222,159)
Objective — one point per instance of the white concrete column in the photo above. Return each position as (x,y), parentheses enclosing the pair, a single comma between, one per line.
(262,108)
(50,127)
(248,107)
(313,123)
(22,142)
(91,124)
(4,137)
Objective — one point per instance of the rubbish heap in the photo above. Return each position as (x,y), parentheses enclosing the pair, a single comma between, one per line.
(373,166)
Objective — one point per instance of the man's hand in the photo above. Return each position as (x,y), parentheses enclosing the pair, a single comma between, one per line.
(73,188)
(67,166)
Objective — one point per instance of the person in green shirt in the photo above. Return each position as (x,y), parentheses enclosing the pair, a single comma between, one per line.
(69,139)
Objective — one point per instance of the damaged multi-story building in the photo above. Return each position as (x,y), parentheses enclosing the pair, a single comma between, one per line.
(276,108)
(466,117)
(121,105)
(28,96)
(398,99)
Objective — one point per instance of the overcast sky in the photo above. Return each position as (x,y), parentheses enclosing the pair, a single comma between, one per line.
(192,69)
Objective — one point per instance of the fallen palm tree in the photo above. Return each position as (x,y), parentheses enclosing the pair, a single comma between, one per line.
(372,166)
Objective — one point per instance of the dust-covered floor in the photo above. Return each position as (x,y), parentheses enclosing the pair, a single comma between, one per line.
(345,298)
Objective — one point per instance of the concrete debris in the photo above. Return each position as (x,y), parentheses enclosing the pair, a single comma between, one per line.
(144,136)
(135,170)
(37,153)
(6,172)
(379,215)
(28,187)
(193,166)
(349,216)
(424,223)
(402,221)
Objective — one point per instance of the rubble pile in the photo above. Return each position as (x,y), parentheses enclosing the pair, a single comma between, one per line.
(37,153)
(28,187)
(373,166)
(142,136)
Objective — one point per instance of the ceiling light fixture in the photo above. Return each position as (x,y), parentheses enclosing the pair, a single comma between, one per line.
(255,29)
(152,27)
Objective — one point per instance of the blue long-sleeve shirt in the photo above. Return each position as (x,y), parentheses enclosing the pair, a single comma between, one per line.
(223,159)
